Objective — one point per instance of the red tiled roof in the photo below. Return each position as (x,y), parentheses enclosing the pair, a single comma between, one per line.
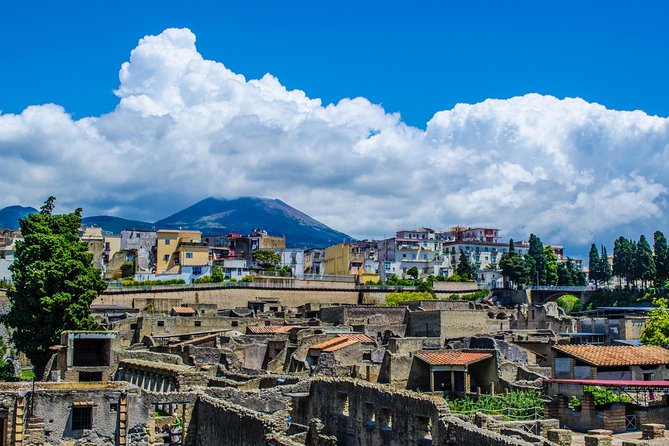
(269,329)
(183,311)
(342,340)
(452,357)
(616,355)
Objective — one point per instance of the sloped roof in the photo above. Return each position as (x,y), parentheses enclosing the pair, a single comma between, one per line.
(184,311)
(616,355)
(269,329)
(452,357)
(341,341)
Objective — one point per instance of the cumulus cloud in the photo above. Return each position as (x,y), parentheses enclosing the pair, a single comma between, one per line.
(186,128)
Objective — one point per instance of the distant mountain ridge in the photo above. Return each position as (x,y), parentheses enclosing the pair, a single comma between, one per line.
(216,216)
(9,216)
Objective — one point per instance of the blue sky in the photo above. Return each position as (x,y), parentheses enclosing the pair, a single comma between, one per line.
(511,114)
(412,57)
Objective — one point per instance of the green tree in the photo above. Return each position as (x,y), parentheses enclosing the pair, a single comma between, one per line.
(413,272)
(266,259)
(513,266)
(54,283)
(464,268)
(564,275)
(623,259)
(656,330)
(645,264)
(604,266)
(551,266)
(594,265)
(536,251)
(577,277)
(661,257)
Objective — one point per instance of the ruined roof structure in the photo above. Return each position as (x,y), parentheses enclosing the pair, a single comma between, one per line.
(617,355)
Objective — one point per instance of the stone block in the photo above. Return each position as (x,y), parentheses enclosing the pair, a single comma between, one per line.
(600,432)
(636,443)
(652,431)
(598,440)
(561,437)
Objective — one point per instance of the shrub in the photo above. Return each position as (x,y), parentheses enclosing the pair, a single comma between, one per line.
(605,397)
(569,303)
(517,404)
(394,299)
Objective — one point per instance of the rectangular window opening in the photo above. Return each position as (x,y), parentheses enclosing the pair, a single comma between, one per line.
(343,403)
(81,418)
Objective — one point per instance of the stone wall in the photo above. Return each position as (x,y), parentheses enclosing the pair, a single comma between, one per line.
(359,413)
(221,423)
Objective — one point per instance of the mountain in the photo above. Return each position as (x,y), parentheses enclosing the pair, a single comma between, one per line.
(9,216)
(242,215)
(116,224)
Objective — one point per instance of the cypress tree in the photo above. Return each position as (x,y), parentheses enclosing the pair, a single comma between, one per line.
(661,258)
(645,264)
(594,265)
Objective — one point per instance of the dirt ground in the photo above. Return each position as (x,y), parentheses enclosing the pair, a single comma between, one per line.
(578,439)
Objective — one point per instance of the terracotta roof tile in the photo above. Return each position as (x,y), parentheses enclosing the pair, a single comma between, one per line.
(183,311)
(269,329)
(616,355)
(452,357)
(338,342)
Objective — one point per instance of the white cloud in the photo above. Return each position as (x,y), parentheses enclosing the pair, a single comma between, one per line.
(186,128)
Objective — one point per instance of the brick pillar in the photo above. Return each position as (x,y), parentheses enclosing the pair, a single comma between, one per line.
(123,420)
(18,420)
(652,431)
(598,440)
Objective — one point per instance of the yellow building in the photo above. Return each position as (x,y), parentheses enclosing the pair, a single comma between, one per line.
(340,260)
(177,249)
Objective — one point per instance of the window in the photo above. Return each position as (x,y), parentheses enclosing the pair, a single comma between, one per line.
(138,235)
(189,255)
(90,377)
(113,407)
(198,323)
(167,241)
(166,257)
(343,403)
(177,260)
(81,418)
(161,323)
(386,420)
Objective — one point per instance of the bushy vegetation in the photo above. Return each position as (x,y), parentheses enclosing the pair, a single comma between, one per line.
(569,303)
(479,294)
(517,404)
(130,282)
(656,329)
(603,398)
(394,299)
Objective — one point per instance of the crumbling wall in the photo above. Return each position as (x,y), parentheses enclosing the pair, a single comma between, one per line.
(221,423)
(358,413)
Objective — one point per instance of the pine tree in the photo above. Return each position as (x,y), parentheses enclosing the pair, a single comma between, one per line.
(661,258)
(464,268)
(54,283)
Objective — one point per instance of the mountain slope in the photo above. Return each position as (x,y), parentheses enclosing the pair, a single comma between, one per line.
(116,224)
(9,216)
(242,215)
